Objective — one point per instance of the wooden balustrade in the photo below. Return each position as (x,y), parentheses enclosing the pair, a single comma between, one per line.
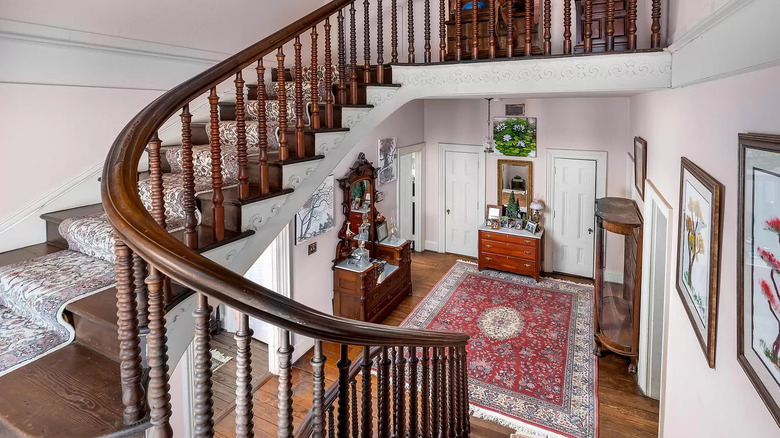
(262,140)
(203,419)
(380,44)
(244,405)
(492,28)
(241,151)
(366,44)
(475,29)
(281,93)
(353,76)
(315,81)
(299,104)
(410,30)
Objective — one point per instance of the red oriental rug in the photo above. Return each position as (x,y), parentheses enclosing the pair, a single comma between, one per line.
(530,358)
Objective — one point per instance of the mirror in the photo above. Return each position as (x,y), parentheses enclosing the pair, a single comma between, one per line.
(360,215)
(360,208)
(515,178)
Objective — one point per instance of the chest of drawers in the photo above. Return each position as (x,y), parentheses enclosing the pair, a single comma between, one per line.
(511,250)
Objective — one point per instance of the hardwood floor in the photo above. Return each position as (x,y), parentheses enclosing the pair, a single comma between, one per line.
(623,411)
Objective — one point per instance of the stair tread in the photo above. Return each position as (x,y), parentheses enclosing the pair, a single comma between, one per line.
(231,195)
(49,396)
(26,253)
(59,216)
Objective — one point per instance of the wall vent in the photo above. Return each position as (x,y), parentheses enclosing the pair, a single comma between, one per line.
(515,109)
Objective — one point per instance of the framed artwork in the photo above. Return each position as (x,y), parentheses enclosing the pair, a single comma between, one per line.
(381,231)
(493,212)
(316,216)
(388,160)
(495,224)
(698,252)
(758,268)
(515,136)
(640,165)
(531,226)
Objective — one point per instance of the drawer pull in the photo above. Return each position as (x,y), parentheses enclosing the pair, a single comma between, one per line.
(488,246)
(528,241)
(528,252)
(488,258)
(527,265)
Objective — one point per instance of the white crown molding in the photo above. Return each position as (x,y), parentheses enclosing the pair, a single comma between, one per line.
(682,37)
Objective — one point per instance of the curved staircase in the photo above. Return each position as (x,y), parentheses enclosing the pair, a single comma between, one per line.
(213,198)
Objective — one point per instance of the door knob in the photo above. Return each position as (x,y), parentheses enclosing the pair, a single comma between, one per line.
(590,230)
(448,211)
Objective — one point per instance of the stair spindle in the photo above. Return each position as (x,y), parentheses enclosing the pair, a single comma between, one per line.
(394,32)
(414,425)
(300,150)
(443,393)
(243,172)
(410,30)
(188,180)
(655,27)
(442,32)
(474,29)
(400,386)
(318,403)
(329,121)
(567,27)
(492,28)
(632,24)
(128,333)
(141,293)
(458,394)
(366,419)
(435,392)
(458,32)
(394,370)
(353,76)
(509,7)
(427,24)
(465,384)
(354,404)
(343,403)
(380,44)
(366,44)
(383,394)
(331,423)
(203,398)
(342,88)
(244,406)
(315,80)
(587,31)
(217,209)
(284,353)
(281,92)
(156,182)
(609,27)
(452,391)
(529,7)
(262,138)
(426,396)
(547,26)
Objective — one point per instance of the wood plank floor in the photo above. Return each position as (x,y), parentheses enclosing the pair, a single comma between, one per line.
(623,411)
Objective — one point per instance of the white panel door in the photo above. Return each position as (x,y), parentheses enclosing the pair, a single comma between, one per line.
(462,202)
(406,207)
(574,201)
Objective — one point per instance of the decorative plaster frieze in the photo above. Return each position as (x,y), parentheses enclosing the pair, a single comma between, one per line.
(378,95)
(352,116)
(254,216)
(325,142)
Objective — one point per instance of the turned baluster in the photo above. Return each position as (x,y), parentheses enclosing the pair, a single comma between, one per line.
(188,180)
(244,406)
(394,370)
(400,387)
(331,423)
(318,403)
(155,180)
(452,391)
(262,138)
(442,32)
(383,395)
(587,27)
(127,331)
(426,396)
(547,26)
(410,29)
(380,45)
(354,404)
(609,27)
(458,32)
(435,392)
(492,28)
(203,421)
(427,54)
(315,80)
(655,28)
(342,88)
(141,293)
(284,353)
(353,76)
(443,392)
(465,384)
(460,422)
(509,7)
(328,76)
(299,136)
(243,173)
(281,92)
(394,32)
(217,209)
(528,20)
(566,27)
(632,24)
(366,420)
(474,30)
(414,425)
(366,44)
(343,404)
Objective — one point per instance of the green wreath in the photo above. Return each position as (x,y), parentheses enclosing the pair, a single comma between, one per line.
(515,137)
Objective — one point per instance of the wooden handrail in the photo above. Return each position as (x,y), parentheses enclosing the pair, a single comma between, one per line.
(142,234)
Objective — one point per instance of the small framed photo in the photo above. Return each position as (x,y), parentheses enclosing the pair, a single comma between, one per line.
(381,231)
(493,212)
(520,224)
(495,224)
(640,165)
(531,226)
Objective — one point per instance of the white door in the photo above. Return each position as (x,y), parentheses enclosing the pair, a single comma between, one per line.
(463,212)
(574,200)
(409,198)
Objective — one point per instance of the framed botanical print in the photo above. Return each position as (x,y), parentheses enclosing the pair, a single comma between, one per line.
(758,268)
(640,165)
(698,252)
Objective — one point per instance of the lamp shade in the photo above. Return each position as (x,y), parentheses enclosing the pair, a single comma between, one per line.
(537,205)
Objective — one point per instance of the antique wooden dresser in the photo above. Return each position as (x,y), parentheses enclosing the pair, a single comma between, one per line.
(511,250)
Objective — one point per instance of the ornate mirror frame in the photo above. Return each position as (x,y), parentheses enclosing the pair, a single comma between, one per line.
(529,185)
(361,170)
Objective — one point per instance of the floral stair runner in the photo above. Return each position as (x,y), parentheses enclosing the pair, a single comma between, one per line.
(34,293)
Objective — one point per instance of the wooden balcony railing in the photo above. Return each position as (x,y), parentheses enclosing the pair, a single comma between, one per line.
(150,259)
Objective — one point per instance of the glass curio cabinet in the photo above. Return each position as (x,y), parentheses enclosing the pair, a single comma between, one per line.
(618,278)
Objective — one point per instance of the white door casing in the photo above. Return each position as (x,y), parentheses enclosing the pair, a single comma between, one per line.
(575,180)
(462,197)
(411,192)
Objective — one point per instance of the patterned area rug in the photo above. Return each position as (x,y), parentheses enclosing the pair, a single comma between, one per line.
(530,358)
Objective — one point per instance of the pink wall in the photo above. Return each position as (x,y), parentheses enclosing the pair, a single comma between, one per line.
(701,122)
(312,282)
(599,124)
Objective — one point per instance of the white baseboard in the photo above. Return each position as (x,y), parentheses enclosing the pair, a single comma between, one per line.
(431,246)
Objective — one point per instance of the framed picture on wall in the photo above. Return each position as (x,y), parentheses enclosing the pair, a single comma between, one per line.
(388,160)
(698,252)
(758,265)
(316,217)
(515,136)
(640,165)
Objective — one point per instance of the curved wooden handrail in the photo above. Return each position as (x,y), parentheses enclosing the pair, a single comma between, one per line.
(142,234)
